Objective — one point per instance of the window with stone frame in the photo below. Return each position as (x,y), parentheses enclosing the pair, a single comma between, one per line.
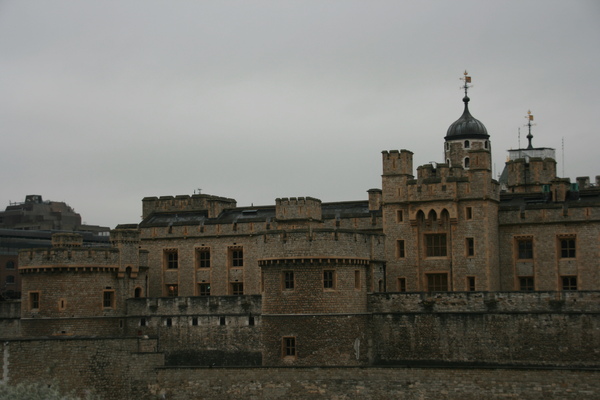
(203,257)
(436,245)
(10,279)
(34,300)
(400,249)
(10,264)
(236,257)
(287,280)
(525,248)
(288,347)
(437,282)
(329,279)
(108,299)
(236,288)
(470,247)
(204,289)
(567,247)
(569,282)
(526,283)
(469,212)
(171,259)
(402,284)
(399,215)
(471,283)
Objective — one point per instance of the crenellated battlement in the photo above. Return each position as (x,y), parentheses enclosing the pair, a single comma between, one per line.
(298,208)
(197,202)
(70,258)
(397,162)
(482,302)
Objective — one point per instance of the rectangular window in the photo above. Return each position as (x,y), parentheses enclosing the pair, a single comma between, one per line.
(569,282)
(328,279)
(526,283)
(437,282)
(436,245)
(402,284)
(567,247)
(236,257)
(471,283)
(399,216)
(171,259)
(172,290)
(204,289)
(288,280)
(357,279)
(288,347)
(470,247)
(108,299)
(203,257)
(400,252)
(237,288)
(34,300)
(469,212)
(525,249)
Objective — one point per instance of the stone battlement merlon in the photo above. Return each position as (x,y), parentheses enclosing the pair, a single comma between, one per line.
(397,162)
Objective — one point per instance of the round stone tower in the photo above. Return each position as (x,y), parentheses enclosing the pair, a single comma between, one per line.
(314,285)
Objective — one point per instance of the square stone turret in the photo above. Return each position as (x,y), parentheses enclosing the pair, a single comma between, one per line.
(301,208)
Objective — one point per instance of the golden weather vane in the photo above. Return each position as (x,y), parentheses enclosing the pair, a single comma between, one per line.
(467,79)
(529,117)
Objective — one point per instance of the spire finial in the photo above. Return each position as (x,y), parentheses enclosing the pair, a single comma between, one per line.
(529,117)
(467,80)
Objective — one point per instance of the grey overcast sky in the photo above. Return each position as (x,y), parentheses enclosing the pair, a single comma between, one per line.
(103,103)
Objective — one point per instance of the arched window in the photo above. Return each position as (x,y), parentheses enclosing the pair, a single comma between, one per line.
(486,144)
(137,292)
(432,216)
(467,162)
(448,162)
(467,144)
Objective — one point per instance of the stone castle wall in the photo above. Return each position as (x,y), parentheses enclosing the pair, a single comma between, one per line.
(375,383)
(211,330)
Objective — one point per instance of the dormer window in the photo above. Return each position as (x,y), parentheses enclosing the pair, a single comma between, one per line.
(467,144)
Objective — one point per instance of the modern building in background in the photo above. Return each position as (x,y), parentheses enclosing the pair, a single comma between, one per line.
(30,224)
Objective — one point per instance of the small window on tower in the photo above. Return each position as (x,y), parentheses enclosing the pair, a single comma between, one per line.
(467,144)
(400,251)
(467,162)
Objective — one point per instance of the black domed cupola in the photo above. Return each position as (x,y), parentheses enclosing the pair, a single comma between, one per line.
(467,141)
(467,127)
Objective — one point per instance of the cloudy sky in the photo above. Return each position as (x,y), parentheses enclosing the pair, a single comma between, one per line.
(103,103)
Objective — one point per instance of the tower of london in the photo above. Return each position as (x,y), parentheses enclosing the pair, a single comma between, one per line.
(443,265)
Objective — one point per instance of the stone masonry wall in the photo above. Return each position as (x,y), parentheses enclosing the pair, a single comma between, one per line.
(548,328)
(211,330)
(116,369)
(375,383)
